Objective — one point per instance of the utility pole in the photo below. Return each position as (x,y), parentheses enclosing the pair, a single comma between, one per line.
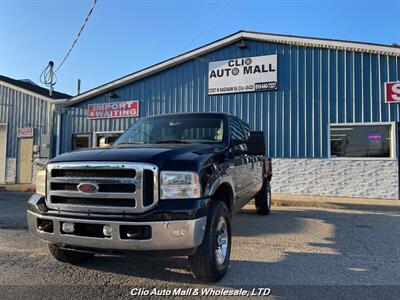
(51,65)
(78,88)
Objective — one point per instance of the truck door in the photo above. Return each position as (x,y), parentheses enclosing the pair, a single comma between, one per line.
(255,166)
(241,162)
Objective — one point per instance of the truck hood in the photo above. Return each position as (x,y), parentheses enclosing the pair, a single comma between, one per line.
(171,156)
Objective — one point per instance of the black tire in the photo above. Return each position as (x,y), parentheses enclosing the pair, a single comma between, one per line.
(69,256)
(203,264)
(263,199)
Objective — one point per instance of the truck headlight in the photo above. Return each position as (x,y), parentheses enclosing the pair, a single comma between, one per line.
(179,185)
(41,183)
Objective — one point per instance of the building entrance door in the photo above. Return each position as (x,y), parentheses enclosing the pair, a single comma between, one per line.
(3,149)
(25,160)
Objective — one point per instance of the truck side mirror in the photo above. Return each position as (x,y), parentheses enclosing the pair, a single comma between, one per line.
(256,143)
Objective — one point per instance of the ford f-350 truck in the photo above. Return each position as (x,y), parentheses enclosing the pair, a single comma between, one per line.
(170,185)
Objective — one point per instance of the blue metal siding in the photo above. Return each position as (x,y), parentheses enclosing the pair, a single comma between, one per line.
(394,108)
(316,87)
(17,110)
(367,87)
(324,98)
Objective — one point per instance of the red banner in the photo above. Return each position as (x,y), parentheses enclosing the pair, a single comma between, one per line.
(392,92)
(114,110)
(25,132)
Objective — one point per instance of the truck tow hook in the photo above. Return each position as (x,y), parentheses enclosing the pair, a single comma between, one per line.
(46,227)
(133,235)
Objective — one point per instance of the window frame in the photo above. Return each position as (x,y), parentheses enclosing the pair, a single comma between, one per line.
(95,135)
(83,134)
(393,142)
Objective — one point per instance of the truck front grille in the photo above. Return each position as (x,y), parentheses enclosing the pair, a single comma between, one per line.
(93,202)
(93,173)
(119,187)
(103,188)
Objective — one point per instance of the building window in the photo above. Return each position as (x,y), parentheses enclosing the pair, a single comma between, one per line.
(105,139)
(361,141)
(80,141)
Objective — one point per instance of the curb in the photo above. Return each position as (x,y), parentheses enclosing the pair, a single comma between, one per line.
(336,202)
(17,188)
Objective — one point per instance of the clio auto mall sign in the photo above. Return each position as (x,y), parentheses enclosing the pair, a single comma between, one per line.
(114,110)
(248,74)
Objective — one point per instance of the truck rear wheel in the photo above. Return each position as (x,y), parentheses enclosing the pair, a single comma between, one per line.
(69,256)
(263,199)
(210,262)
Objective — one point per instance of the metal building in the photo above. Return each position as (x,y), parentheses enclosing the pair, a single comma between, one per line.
(322,104)
(25,140)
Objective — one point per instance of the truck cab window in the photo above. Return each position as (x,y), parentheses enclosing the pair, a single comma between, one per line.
(237,130)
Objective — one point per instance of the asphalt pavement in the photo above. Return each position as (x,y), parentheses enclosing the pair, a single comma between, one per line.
(296,252)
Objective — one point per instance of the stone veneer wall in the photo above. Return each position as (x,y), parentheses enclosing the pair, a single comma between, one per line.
(335,177)
(38,164)
(11,170)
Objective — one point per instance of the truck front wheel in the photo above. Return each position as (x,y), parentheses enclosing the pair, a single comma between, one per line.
(69,256)
(263,199)
(210,262)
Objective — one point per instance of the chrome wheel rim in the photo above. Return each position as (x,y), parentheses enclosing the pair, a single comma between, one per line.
(222,243)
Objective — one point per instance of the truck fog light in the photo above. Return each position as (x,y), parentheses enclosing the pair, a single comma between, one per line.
(68,227)
(107,230)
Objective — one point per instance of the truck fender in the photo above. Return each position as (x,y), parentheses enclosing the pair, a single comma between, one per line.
(215,184)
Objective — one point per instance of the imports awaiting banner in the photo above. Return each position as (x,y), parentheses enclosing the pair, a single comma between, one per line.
(114,110)
(248,74)
(25,132)
(392,92)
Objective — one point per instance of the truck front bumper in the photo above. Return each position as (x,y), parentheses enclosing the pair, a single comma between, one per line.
(164,235)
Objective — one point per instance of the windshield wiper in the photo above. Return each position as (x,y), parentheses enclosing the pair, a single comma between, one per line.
(171,142)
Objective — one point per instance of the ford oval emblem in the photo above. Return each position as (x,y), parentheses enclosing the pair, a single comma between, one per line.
(87,187)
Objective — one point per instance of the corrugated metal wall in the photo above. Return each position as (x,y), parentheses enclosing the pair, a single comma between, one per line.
(315,87)
(18,110)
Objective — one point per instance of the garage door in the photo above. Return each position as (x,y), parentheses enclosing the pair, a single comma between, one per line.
(3,148)
(25,160)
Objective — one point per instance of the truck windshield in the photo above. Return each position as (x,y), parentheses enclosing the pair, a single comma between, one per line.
(175,129)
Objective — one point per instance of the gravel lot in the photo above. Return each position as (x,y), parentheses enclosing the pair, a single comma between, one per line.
(297,252)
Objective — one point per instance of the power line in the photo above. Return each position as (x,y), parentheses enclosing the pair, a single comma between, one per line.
(209,24)
(79,34)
